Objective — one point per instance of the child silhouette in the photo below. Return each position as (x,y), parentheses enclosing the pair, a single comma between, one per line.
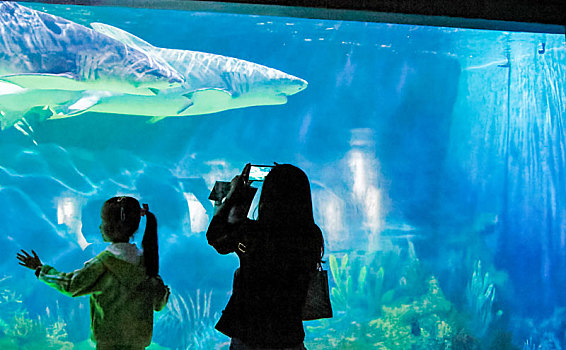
(123,284)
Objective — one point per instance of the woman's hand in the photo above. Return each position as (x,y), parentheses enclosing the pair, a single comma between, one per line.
(236,187)
(239,183)
(26,260)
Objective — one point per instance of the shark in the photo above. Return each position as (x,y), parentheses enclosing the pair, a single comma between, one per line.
(213,83)
(45,52)
(196,83)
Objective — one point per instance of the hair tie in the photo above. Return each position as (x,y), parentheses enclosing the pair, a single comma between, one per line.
(122,213)
(144,210)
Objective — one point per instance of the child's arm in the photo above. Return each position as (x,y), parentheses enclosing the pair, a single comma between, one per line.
(76,283)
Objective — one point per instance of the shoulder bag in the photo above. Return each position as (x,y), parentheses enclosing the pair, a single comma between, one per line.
(317,303)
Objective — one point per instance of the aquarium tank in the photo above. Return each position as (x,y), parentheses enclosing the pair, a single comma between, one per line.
(437,160)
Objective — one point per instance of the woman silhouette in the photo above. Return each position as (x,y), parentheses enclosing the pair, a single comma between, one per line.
(278,252)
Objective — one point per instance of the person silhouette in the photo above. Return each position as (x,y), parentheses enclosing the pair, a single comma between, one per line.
(123,284)
(277,253)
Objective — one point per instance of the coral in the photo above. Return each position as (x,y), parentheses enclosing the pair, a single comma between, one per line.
(528,345)
(75,313)
(352,286)
(547,332)
(480,295)
(19,331)
(385,301)
(10,304)
(502,341)
(423,324)
(28,333)
(366,282)
(464,341)
(547,342)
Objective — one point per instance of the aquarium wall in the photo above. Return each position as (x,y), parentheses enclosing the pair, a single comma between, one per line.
(437,160)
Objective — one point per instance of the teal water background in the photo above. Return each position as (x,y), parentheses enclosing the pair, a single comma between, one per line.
(437,162)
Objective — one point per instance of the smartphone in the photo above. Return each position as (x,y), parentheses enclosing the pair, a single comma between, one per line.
(259,172)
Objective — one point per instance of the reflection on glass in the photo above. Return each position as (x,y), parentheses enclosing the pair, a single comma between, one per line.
(436,158)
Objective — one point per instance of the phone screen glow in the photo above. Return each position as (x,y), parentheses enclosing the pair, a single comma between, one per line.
(258,173)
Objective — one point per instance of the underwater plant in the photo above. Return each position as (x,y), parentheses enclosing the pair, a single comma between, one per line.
(423,324)
(368,281)
(20,331)
(549,342)
(502,340)
(528,345)
(75,315)
(383,300)
(464,341)
(352,286)
(23,332)
(480,295)
(10,302)
(546,333)
(188,323)
(358,291)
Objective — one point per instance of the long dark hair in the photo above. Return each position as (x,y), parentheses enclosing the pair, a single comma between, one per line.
(285,204)
(121,217)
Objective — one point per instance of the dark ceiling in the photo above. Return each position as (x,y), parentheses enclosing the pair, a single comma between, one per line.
(537,11)
(515,14)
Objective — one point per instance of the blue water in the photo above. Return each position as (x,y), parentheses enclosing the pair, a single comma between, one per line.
(437,159)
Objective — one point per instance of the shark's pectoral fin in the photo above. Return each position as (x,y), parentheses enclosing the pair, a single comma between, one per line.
(8,89)
(37,114)
(26,118)
(42,81)
(155,119)
(213,93)
(83,104)
(200,101)
(189,104)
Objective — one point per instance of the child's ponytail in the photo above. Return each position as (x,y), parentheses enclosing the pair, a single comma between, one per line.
(149,245)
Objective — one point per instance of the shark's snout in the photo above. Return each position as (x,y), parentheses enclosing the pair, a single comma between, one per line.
(294,86)
(302,85)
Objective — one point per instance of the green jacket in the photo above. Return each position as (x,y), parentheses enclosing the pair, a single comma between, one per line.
(122,298)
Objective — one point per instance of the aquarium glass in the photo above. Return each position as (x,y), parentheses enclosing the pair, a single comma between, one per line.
(436,156)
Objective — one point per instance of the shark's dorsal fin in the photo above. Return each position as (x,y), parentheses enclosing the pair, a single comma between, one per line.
(133,42)
(123,36)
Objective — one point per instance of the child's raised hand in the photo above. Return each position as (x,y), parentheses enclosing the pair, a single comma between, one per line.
(26,260)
